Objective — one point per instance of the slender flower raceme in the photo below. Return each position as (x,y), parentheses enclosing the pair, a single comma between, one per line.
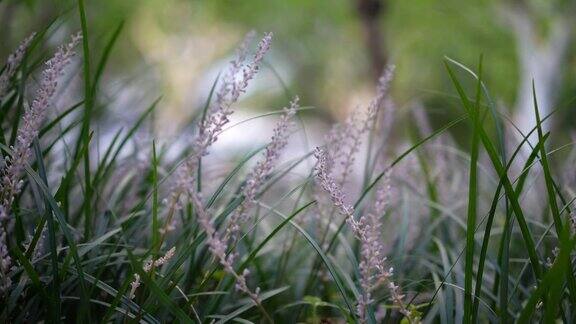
(218,248)
(12,64)
(263,168)
(373,271)
(31,122)
(10,183)
(231,87)
(344,140)
(229,92)
(219,243)
(148,267)
(323,168)
(5,260)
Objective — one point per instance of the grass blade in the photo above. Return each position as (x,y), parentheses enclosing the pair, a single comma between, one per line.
(501,171)
(472,202)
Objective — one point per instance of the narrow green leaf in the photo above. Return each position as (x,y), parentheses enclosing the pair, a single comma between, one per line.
(105,56)
(250,304)
(472,202)
(55,289)
(501,171)
(155,221)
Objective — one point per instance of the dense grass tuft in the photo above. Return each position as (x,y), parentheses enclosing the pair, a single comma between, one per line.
(373,229)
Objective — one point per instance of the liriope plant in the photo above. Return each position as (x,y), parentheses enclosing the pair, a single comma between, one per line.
(367,227)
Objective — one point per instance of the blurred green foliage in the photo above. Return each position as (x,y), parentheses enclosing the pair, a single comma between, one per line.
(320,41)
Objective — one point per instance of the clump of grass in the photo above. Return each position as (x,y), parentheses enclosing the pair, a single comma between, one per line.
(15,164)
(82,239)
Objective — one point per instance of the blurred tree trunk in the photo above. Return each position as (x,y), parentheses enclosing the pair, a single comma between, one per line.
(370,12)
(541,58)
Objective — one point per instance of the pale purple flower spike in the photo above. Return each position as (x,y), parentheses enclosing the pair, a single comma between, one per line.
(367,229)
(233,83)
(147,268)
(263,168)
(373,272)
(5,260)
(10,183)
(12,64)
(32,120)
(323,170)
(230,89)
(219,243)
(343,140)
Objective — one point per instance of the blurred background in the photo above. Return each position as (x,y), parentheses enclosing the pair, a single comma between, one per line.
(329,52)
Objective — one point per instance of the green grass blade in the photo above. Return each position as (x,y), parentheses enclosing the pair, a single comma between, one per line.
(277,229)
(546,168)
(55,299)
(407,152)
(488,228)
(501,171)
(472,203)
(105,56)
(551,189)
(106,166)
(155,221)
(85,131)
(59,118)
(552,279)
(55,210)
(250,304)
(492,107)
